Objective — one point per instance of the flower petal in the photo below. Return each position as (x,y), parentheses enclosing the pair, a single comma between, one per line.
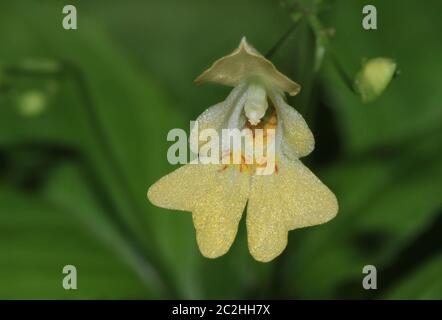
(297,138)
(246,62)
(222,115)
(290,199)
(216,196)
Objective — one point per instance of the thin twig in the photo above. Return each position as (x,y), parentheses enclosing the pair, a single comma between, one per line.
(281,40)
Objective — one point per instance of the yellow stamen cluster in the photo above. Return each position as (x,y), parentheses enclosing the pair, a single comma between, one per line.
(248,165)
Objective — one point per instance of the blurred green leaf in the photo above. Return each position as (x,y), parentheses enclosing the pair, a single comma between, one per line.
(129,107)
(38,239)
(383,205)
(424,283)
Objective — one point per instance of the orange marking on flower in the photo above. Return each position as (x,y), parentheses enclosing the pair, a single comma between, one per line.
(244,165)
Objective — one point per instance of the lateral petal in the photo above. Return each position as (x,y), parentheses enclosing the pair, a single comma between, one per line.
(215,195)
(290,199)
(297,138)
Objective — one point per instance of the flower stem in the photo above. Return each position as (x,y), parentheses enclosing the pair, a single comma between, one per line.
(346,78)
(281,40)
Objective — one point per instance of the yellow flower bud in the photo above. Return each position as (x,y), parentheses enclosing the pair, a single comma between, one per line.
(374,78)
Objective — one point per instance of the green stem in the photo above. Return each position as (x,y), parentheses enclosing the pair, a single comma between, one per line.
(281,40)
(343,73)
(323,45)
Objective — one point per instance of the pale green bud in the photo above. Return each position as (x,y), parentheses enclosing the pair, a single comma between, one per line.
(374,78)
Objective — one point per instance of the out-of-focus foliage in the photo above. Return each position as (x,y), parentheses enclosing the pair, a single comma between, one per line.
(75,169)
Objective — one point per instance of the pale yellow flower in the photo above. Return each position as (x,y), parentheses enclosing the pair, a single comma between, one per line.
(216,194)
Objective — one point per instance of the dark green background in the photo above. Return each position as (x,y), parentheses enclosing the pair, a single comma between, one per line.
(73,178)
